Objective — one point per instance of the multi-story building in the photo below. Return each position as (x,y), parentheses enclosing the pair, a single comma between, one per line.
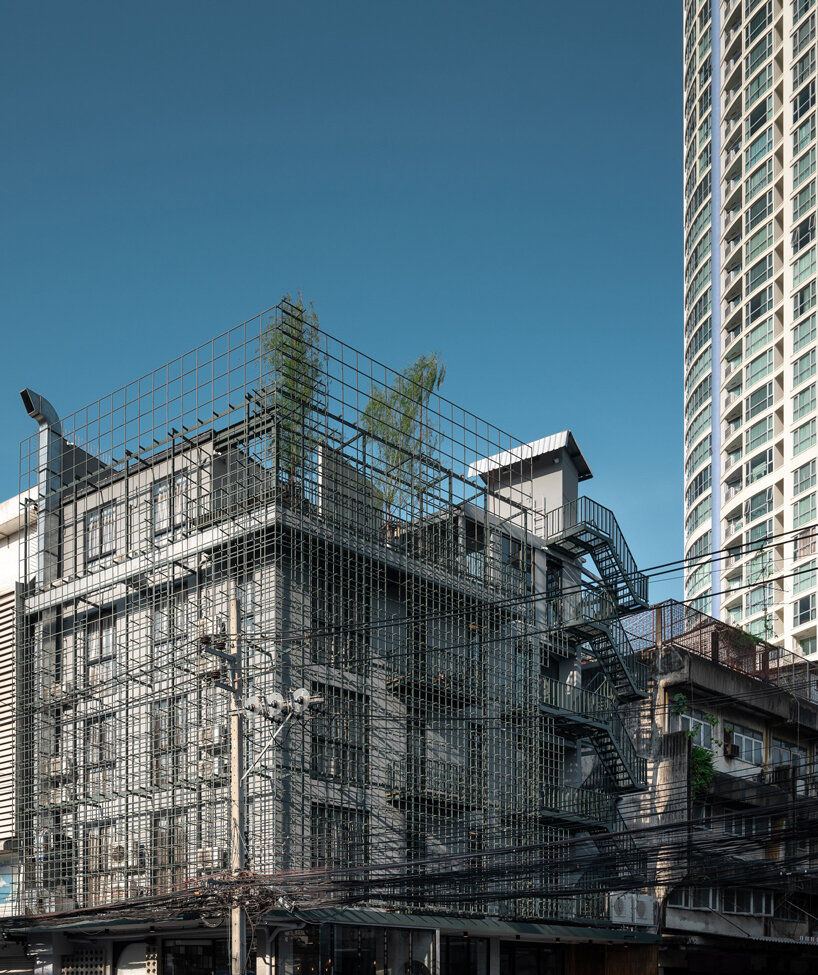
(17,539)
(727,828)
(302,645)
(749,306)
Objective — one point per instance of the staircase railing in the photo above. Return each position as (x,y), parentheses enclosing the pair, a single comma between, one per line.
(595,608)
(600,522)
(598,707)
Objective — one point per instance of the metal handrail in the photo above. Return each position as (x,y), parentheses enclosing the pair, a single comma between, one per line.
(600,708)
(596,606)
(586,512)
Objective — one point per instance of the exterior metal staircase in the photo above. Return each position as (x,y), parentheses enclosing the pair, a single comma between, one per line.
(592,617)
(584,527)
(595,714)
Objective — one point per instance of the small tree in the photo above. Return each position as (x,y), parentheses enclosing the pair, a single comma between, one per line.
(293,352)
(397,419)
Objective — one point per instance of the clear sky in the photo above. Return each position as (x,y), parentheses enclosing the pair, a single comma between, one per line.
(497,181)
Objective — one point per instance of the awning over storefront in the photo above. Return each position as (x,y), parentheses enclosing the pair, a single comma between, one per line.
(473,926)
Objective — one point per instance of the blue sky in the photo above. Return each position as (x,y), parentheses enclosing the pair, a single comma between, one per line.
(499,182)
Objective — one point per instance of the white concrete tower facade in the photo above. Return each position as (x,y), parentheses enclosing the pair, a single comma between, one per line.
(750,296)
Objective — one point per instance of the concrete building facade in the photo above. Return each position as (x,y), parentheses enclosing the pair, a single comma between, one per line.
(300,669)
(727,827)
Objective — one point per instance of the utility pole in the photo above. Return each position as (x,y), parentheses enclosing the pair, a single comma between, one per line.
(238,933)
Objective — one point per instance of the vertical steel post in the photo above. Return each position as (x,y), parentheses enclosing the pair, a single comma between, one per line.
(238,934)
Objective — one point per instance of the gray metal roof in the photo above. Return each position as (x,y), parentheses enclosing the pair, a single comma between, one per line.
(531,451)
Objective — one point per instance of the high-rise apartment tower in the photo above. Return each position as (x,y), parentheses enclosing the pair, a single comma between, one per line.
(750,294)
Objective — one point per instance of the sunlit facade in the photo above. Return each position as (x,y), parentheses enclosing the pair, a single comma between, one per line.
(749,314)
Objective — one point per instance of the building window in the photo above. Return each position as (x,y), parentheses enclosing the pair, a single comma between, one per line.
(759,336)
(803,610)
(100,533)
(803,403)
(759,567)
(100,874)
(804,367)
(803,234)
(170,504)
(702,814)
(758,434)
(746,825)
(804,437)
(803,168)
(759,53)
(802,37)
(803,511)
(759,466)
(760,20)
(804,200)
(760,272)
(803,135)
(785,753)
(762,82)
(759,599)
(759,504)
(750,744)
(757,180)
(338,748)
(759,534)
(803,333)
(803,101)
(804,478)
(760,210)
(340,611)
(805,545)
(169,852)
(694,898)
(696,724)
(803,267)
(804,300)
(799,8)
(168,729)
(99,755)
(338,835)
(803,68)
(747,900)
(101,650)
(760,367)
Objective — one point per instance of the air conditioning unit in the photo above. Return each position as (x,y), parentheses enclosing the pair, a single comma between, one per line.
(125,854)
(731,751)
(643,909)
(214,768)
(211,858)
(621,907)
(213,736)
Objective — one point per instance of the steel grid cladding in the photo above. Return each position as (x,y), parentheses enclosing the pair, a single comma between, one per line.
(374,601)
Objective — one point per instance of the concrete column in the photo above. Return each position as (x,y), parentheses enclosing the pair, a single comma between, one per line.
(494,956)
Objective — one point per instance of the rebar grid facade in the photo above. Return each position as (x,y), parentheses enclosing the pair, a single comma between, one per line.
(409,615)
